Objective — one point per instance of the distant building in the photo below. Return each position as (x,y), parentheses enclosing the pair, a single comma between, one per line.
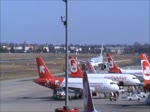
(18,48)
(115,50)
(46,49)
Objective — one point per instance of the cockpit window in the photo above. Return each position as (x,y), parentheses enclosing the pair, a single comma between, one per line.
(112,83)
(134,78)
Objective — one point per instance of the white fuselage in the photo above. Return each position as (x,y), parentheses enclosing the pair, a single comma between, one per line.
(96,85)
(128,79)
(96,61)
(135,72)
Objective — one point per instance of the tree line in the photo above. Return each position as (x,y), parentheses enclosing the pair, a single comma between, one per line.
(95,49)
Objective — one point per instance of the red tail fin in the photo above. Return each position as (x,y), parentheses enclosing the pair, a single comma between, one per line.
(43,70)
(146,70)
(91,69)
(112,66)
(46,78)
(74,68)
(88,102)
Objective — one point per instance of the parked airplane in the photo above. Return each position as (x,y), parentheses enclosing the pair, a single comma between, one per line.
(46,79)
(88,102)
(146,71)
(146,75)
(98,61)
(122,79)
(113,68)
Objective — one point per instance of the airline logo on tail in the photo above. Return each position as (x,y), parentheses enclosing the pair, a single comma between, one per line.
(42,69)
(146,69)
(110,64)
(73,65)
(113,68)
(74,68)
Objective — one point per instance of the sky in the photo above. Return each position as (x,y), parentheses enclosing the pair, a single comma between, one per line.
(89,21)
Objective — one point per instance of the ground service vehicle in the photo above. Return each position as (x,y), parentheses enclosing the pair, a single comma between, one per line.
(133,96)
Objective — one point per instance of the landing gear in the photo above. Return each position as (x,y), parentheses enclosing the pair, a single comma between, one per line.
(113,96)
(59,94)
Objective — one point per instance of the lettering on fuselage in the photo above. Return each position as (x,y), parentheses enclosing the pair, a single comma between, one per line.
(116,78)
(96,85)
(47,83)
(50,84)
(73,65)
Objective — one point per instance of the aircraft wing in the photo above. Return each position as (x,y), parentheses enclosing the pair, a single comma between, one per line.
(117,61)
(106,62)
(122,60)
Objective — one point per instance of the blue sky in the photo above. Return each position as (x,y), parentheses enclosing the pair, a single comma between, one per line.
(90,21)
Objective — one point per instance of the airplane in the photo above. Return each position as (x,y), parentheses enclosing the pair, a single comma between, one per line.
(146,75)
(98,61)
(46,79)
(113,68)
(121,79)
(88,102)
(146,71)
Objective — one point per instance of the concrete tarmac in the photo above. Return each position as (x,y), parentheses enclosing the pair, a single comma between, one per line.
(23,95)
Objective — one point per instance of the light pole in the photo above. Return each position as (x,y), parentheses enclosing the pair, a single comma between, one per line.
(65,108)
(65,22)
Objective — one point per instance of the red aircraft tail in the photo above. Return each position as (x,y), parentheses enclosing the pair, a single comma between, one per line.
(45,76)
(112,66)
(88,102)
(90,68)
(74,68)
(146,71)
(43,70)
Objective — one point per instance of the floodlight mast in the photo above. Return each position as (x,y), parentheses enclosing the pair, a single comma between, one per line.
(65,22)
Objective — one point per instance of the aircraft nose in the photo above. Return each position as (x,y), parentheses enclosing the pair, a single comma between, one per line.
(137,81)
(116,88)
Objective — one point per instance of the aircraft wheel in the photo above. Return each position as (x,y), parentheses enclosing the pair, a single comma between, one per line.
(69,97)
(80,96)
(59,97)
(76,96)
(115,99)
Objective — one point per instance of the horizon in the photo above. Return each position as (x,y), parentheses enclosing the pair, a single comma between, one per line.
(71,44)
